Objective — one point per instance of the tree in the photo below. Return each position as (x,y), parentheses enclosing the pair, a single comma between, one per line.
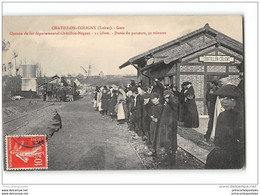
(15,55)
(38,70)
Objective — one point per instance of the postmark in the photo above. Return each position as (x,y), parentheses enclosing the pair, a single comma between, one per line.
(26,152)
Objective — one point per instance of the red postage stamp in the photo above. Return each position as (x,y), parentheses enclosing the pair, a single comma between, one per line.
(26,152)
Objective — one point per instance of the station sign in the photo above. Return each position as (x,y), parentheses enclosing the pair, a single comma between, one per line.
(217,59)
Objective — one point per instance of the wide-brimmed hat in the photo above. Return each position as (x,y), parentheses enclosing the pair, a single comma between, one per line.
(228,91)
(155,95)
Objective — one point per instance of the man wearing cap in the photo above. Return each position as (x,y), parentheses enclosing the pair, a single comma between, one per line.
(229,135)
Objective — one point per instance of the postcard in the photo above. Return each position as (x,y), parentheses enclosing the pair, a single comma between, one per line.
(123,92)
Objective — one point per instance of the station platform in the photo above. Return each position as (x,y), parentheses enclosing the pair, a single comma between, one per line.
(192,139)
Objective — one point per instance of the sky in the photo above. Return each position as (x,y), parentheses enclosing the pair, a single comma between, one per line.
(65,54)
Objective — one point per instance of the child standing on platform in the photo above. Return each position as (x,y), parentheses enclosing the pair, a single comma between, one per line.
(155,114)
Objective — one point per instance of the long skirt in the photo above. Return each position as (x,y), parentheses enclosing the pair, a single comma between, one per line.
(191,117)
(99,106)
(121,112)
(95,103)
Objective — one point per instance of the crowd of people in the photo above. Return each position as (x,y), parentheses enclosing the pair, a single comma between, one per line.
(152,113)
(59,94)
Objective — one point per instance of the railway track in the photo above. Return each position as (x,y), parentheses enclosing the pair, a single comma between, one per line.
(191,155)
(143,159)
(28,113)
(19,122)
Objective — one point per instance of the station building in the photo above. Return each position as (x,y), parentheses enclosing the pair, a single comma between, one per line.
(199,57)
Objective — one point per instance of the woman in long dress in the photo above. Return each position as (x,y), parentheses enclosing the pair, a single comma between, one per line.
(191,116)
(121,108)
(181,103)
(99,95)
(95,104)
(112,105)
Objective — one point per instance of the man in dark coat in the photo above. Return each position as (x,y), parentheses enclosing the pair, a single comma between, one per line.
(44,93)
(132,85)
(130,99)
(63,94)
(105,98)
(158,88)
(167,128)
(229,137)
(137,112)
(146,120)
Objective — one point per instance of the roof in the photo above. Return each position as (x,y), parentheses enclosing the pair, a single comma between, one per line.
(49,80)
(179,50)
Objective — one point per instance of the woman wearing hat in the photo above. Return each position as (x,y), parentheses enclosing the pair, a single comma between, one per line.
(167,128)
(191,116)
(229,135)
(181,103)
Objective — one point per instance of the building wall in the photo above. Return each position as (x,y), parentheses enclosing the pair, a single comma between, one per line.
(197,72)
(201,73)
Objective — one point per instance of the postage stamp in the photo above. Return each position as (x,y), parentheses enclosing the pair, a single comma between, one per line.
(26,152)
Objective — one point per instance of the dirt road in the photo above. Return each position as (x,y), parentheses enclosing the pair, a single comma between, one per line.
(88,142)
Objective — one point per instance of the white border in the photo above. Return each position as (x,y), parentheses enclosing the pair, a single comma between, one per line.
(249,10)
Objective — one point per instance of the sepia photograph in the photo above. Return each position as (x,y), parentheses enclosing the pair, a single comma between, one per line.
(123,93)
(129,97)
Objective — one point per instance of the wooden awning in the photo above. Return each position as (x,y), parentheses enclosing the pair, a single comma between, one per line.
(178,48)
